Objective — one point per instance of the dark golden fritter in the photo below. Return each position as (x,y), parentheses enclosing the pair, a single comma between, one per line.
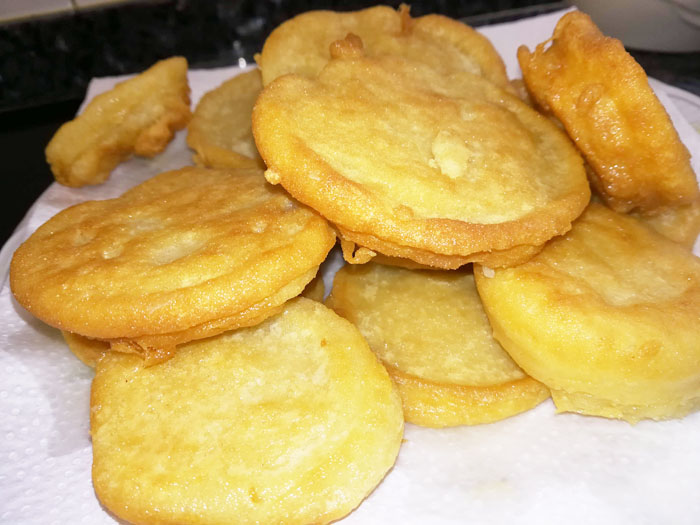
(603,98)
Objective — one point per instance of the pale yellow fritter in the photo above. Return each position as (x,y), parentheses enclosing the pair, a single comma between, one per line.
(220,130)
(301,45)
(87,350)
(138,116)
(389,151)
(430,331)
(188,250)
(603,98)
(606,316)
(293,421)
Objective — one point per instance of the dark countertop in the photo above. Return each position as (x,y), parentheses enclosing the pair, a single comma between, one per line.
(46,63)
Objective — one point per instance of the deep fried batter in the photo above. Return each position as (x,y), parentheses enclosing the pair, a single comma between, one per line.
(606,316)
(220,130)
(430,331)
(441,170)
(603,98)
(187,254)
(293,421)
(301,45)
(139,115)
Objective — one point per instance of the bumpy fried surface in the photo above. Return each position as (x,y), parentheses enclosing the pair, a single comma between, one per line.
(219,131)
(85,349)
(139,115)
(186,249)
(396,155)
(606,316)
(292,421)
(301,45)
(431,332)
(602,96)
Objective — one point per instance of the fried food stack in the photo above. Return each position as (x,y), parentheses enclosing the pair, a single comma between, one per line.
(185,255)
(413,158)
(220,396)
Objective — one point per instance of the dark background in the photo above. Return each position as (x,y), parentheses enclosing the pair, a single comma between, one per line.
(46,63)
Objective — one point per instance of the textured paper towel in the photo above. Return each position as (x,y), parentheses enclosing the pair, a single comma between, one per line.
(535,468)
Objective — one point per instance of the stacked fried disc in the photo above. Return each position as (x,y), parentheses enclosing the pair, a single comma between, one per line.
(186,255)
(409,154)
(601,95)
(430,331)
(606,316)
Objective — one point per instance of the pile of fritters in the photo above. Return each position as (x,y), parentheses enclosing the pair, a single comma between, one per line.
(219,396)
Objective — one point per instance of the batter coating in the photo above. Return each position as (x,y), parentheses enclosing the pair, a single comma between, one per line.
(139,115)
(603,98)
(399,157)
(431,333)
(606,316)
(220,130)
(187,250)
(301,45)
(292,421)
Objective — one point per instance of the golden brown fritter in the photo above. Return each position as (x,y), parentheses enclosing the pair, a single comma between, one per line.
(293,421)
(187,254)
(301,45)
(138,116)
(441,170)
(431,333)
(603,98)
(606,316)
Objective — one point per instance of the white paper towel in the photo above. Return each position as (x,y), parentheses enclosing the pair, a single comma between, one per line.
(536,468)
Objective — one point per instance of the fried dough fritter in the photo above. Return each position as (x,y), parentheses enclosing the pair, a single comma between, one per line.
(603,98)
(431,333)
(301,45)
(389,151)
(220,130)
(139,115)
(291,421)
(191,251)
(606,316)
